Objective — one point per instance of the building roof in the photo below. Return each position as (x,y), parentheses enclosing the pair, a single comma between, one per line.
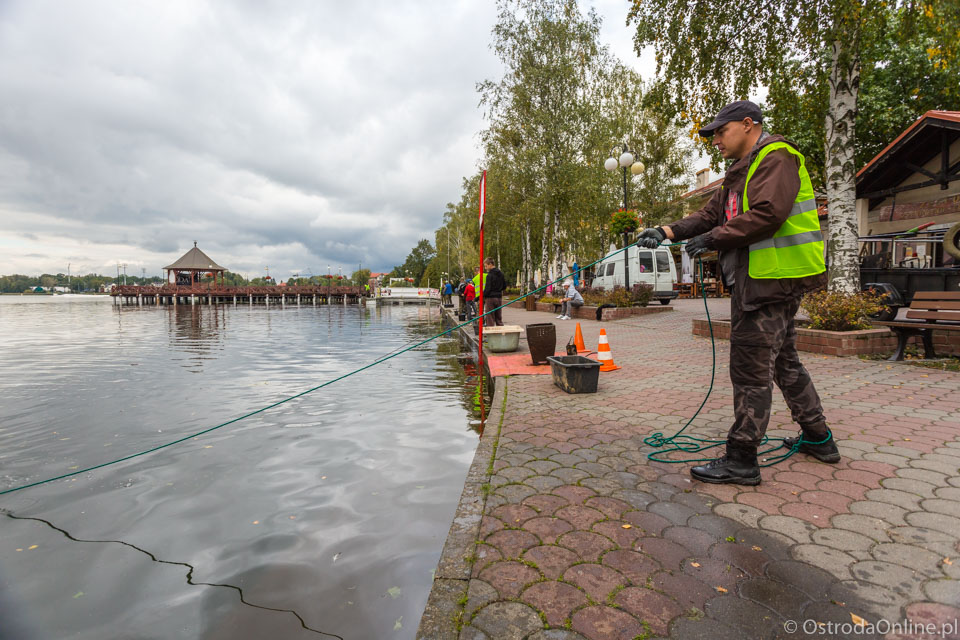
(195,260)
(702,191)
(916,146)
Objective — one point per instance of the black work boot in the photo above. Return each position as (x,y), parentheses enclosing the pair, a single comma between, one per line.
(825,452)
(739,466)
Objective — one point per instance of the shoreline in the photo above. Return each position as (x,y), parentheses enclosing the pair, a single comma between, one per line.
(442,615)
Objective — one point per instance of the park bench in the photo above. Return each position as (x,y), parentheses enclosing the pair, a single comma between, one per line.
(929,310)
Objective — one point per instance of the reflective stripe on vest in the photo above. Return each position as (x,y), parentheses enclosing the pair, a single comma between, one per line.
(796,249)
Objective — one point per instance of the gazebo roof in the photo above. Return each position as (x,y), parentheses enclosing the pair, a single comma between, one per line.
(195,260)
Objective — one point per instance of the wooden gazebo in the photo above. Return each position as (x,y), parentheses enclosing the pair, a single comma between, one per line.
(189,269)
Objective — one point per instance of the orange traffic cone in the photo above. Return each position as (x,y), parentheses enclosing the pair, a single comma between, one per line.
(604,355)
(578,340)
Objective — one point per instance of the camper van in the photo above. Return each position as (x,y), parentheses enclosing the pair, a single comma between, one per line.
(654,267)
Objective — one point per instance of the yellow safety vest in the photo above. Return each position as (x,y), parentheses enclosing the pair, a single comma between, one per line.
(796,249)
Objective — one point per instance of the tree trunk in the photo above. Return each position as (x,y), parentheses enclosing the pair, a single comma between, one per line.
(844,271)
(545,250)
(466,274)
(554,244)
(527,260)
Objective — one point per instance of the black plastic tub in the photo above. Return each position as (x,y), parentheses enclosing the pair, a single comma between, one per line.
(575,374)
(542,341)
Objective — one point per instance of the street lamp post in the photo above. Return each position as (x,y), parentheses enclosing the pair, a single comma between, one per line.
(636,168)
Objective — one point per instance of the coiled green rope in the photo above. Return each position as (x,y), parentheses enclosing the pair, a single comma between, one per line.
(692,444)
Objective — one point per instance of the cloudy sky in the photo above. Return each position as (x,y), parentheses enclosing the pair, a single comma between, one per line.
(295,134)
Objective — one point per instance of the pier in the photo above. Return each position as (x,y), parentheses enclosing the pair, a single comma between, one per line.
(196,279)
(170,294)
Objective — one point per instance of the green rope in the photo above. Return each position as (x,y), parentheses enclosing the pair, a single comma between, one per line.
(680,442)
(692,444)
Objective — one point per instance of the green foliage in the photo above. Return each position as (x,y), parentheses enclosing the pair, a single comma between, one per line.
(639,294)
(232,279)
(416,263)
(899,82)
(623,222)
(838,311)
(561,105)
(17,283)
(360,277)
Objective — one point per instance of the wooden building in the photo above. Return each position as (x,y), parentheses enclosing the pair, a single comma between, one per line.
(915,180)
(191,268)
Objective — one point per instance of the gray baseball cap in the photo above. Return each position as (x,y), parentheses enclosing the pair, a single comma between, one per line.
(733,112)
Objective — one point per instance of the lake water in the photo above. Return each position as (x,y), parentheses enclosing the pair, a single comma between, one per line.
(322,517)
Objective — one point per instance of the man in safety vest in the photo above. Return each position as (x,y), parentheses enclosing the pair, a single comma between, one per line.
(763,221)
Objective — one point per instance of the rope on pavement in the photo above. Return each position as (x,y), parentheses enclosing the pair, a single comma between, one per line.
(693,444)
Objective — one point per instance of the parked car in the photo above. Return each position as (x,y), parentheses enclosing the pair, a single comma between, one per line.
(651,267)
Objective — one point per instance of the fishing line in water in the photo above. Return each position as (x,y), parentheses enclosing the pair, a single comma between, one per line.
(375,362)
(678,442)
(189,574)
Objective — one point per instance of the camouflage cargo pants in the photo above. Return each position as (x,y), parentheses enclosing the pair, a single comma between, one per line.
(763,351)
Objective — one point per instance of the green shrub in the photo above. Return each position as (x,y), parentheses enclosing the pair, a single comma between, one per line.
(838,311)
(549,299)
(640,294)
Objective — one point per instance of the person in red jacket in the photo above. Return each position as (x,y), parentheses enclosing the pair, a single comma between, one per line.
(470,295)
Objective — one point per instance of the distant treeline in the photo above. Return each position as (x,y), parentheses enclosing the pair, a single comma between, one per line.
(18,283)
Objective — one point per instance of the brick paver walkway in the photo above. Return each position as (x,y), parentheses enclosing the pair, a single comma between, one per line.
(582,537)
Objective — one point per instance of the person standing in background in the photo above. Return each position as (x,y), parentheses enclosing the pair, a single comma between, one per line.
(494,286)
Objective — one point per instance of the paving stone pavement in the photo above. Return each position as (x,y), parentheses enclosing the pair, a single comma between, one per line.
(582,536)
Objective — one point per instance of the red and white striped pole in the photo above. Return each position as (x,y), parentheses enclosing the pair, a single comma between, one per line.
(483,208)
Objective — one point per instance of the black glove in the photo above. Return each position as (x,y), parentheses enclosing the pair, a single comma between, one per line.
(651,238)
(701,244)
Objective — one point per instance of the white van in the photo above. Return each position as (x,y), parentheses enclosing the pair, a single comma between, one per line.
(654,267)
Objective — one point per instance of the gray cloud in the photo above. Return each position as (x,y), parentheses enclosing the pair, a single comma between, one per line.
(291,134)
(303,133)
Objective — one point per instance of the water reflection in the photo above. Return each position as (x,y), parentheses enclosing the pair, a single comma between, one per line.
(196,331)
(334,505)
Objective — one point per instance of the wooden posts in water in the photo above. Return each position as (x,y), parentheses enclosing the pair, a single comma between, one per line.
(176,295)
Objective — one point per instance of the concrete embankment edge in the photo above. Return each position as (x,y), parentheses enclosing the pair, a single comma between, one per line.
(445,604)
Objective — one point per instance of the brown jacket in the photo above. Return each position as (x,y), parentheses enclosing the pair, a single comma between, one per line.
(773,190)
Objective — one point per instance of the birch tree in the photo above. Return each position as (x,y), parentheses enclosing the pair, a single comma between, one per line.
(709,54)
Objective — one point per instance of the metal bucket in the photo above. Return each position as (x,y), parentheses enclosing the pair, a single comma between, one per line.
(542,340)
